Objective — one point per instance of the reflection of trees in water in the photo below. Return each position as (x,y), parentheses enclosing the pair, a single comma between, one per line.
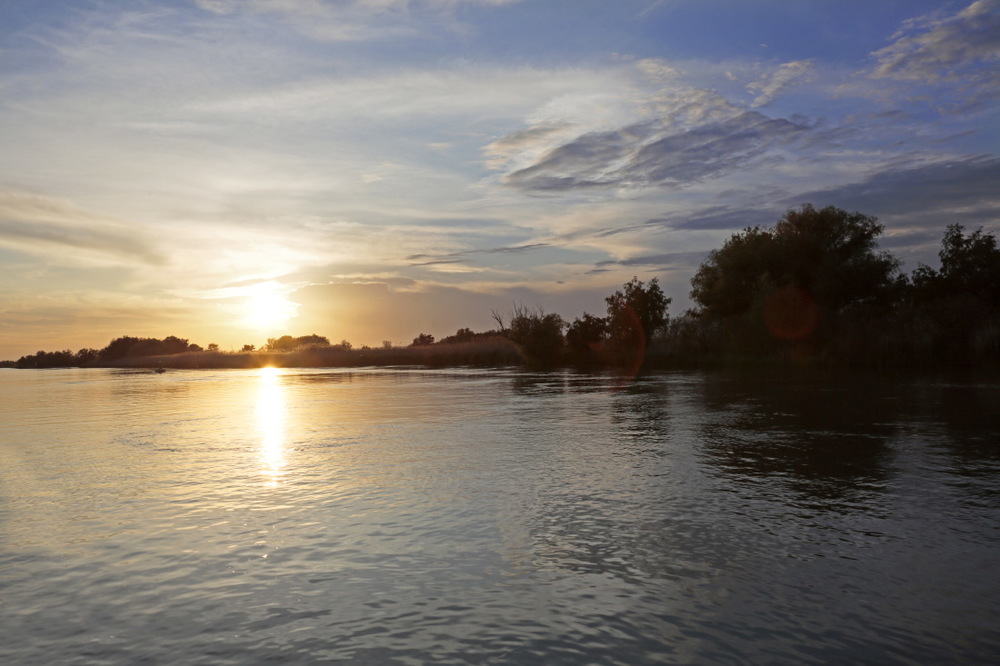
(971,415)
(963,421)
(619,513)
(526,384)
(643,413)
(825,440)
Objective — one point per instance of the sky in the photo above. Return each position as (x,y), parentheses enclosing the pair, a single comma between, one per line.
(232,170)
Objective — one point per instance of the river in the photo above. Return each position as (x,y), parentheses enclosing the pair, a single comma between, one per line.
(408,516)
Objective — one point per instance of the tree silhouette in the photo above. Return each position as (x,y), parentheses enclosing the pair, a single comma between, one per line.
(586,334)
(539,335)
(637,310)
(796,280)
(969,265)
(423,340)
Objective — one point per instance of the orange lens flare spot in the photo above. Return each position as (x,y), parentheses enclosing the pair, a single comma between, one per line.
(791,314)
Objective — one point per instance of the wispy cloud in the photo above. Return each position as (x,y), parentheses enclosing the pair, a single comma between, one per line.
(771,85)
(961,50)
(936,193)
(650,154)
(352,20)
(458,257)
(935,48)
(65,234)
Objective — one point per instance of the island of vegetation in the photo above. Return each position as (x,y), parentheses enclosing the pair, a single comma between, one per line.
(815,288)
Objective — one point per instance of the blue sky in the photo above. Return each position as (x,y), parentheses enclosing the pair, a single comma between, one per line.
(230,170)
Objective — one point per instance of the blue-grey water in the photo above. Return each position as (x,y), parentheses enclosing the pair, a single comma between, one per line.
(497,517)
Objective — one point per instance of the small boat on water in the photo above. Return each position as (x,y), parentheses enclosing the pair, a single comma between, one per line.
(160,371)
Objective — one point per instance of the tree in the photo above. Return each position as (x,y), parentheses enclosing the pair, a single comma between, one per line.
(118,348)
(212,347)
(248,348)
(86,355)
(43,359)
(811,269)
(956,306)
(461,335)
(833,255)
(636,312)
(538,335)
(148,347)
(423,340)
(726,283)
(586,333)
(175,345)
(312,340)
(287,343)
(128,346)
(969,265)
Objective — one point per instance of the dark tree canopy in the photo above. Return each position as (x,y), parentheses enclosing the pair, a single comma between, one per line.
(586,333)
(827,258)
(287,343)
(970,265)
(637,308)
(423,340)
(539,335)
(118,348)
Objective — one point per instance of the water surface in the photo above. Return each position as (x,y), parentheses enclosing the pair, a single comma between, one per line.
(456,516)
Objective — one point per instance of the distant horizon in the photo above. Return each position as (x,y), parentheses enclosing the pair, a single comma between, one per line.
(503,312)
(237,170)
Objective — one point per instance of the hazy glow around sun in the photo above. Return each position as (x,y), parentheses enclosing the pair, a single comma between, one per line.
(267,308)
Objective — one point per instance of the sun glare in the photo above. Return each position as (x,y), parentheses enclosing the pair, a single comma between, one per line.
(268,309)
(271,425)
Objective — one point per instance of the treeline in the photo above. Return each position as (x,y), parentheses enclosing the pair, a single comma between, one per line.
(126,349)
(116,350)
(814,288)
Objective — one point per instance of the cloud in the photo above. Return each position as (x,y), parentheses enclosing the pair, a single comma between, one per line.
(961,49)
(649,154)
(324,7)
(662,261)
(935,194)
(774,83)
(458,257)
(64,234)
(500,151)
(942,48)
(724,218)
(348,20)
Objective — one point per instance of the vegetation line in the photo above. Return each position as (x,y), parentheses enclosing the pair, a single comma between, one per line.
(814,289)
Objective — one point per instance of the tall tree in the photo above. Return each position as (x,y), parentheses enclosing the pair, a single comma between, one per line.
(799,277)
(637,309)
(537,334)
(970,264)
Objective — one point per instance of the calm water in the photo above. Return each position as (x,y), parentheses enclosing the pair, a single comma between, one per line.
(496,517)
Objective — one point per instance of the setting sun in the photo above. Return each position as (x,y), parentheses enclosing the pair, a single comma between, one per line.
(268,309)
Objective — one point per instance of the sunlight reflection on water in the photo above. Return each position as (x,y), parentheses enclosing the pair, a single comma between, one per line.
(271,414)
